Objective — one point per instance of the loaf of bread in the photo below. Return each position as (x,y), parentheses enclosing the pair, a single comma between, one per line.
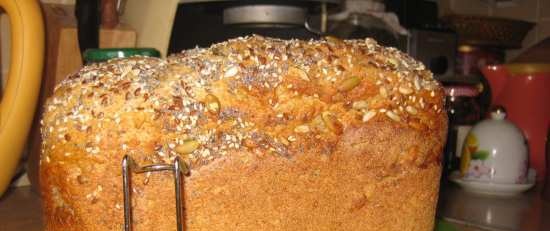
(277,134)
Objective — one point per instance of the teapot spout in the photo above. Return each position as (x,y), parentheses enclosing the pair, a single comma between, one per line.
(497,75)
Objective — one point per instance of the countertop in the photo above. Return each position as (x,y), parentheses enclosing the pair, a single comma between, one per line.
(20,210)
(525,212)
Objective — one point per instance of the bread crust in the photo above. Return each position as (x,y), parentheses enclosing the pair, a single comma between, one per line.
(279,135)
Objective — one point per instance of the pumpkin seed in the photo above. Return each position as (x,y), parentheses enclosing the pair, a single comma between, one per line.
(187,147)
(139,119)
(393,62)
(349,84)
(298,72)
(212,103)
(332,123)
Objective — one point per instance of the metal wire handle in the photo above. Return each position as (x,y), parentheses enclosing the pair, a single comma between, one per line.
(129,166)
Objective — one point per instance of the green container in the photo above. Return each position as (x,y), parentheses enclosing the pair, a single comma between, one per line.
(102,55)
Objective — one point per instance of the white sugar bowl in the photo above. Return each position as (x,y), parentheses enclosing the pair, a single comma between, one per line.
(495,151)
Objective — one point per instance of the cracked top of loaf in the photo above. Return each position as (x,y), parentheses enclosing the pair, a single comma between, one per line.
(262,94)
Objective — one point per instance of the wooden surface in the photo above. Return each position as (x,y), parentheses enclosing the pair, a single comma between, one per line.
(20,210)
(63,57)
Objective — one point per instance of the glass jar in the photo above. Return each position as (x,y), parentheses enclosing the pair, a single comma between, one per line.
(463,110)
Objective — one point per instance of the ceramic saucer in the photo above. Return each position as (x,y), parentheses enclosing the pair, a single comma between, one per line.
(495,189)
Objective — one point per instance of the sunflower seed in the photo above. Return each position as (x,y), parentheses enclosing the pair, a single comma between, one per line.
(405,90)
(368,115)
(359,105)
(301,129)
(393,116)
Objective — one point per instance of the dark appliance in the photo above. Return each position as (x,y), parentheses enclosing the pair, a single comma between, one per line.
(203,23)
(436,49)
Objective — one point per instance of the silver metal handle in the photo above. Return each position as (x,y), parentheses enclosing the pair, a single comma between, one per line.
(179,168)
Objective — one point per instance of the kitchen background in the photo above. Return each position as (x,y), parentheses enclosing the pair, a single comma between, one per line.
(457,62)
(536,11)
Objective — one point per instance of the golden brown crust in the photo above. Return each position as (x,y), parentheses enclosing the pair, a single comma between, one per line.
(280,135)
